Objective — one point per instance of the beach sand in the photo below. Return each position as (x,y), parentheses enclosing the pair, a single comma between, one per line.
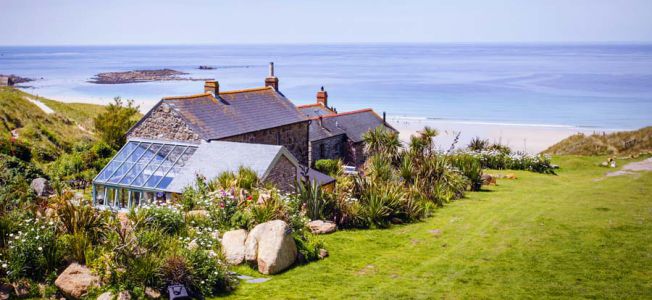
(520,137)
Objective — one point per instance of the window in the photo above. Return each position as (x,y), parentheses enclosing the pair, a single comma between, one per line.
(278,138)
(144,164)
(99,195)
(322,151)
(135,198)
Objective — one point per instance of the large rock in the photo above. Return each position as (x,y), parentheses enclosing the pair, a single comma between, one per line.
(41,187)
(488,179)
(75,281)
(124,295)
(321,227)
(6,291)
(105,296)
(151,293)
(233,246)
(270,245)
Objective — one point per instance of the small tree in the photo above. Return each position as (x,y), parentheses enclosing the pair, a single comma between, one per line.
(114,123)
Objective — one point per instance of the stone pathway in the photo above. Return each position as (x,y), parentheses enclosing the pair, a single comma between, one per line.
(631,168)
(250,279)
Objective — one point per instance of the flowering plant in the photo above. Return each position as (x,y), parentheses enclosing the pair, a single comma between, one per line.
(32,250)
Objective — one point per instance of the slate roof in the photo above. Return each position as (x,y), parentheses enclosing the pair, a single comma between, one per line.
(354,123)
(318,132)
(319,177)
(315,110)
(235,112)
(213,158)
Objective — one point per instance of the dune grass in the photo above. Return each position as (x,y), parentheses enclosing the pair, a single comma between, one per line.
(622,143)
(540,236)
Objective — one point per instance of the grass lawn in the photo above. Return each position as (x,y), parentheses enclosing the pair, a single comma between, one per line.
(540,236)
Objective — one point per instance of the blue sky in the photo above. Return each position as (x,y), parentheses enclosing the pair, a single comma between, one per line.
(92,22)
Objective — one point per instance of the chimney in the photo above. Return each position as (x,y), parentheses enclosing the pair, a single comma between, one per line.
(322,97)
(212,86)
(271,80)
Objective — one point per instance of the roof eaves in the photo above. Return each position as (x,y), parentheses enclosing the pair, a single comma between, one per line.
(345,113)
(246,90)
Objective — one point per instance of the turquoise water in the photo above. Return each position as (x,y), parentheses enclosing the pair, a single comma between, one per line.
(595,86)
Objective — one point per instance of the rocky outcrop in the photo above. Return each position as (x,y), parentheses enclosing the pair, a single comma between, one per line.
(271,247)
(139,76)
(41,187)
(75,281)
(322,227)
(233,246)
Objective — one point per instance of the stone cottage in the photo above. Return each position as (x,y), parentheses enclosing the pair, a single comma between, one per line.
(218,131)
(336,135)
(258,115)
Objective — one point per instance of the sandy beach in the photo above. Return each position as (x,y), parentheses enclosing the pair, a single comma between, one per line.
(531,138)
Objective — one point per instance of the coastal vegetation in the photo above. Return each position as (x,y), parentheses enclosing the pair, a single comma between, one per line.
(622,143)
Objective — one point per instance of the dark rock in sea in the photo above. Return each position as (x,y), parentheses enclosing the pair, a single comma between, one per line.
(140,76)
(206,68)
(17,79)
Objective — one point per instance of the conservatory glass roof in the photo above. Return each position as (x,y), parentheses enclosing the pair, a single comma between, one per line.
(146,165)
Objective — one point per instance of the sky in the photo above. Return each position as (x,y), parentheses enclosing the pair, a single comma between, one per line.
(145,22)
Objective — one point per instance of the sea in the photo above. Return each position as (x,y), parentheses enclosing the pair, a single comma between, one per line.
(601,86)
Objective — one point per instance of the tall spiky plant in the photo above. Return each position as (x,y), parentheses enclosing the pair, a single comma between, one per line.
(381,141)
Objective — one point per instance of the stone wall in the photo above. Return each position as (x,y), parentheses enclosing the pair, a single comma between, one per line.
(294,137)
(333,148)
(355,154)
(164,123)
(283,175)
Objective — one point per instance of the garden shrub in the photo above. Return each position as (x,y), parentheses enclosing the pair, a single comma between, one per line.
(247,178)
(15,148)
(308,246)
(332,167)
(471,167)
(167,218)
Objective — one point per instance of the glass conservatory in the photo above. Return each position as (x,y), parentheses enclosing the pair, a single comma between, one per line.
(140,173)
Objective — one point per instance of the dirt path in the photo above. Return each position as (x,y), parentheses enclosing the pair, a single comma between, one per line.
(40,105)
(631,168)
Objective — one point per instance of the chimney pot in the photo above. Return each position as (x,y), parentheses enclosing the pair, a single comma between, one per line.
(271,80)
(212,86)
(322,97)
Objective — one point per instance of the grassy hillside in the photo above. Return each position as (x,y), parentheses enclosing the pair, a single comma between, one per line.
(540,236)
(618,143)
(47,135)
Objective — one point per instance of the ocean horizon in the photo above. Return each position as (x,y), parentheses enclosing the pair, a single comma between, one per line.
(601,86)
